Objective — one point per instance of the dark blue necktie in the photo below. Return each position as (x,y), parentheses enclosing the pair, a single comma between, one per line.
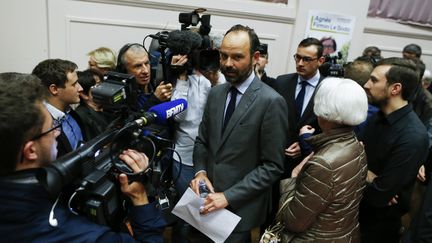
(300,99)
(231,106)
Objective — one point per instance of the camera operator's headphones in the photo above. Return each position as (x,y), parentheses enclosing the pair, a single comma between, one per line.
(121,67)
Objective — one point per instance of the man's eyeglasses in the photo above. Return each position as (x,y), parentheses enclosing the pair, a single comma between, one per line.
(297,58)
(55,127)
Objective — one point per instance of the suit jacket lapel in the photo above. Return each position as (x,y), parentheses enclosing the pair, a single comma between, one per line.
(291,91)
(242,107)
(219,112)
(309,109)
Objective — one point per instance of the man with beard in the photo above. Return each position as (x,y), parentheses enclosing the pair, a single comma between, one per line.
(29,212)
(396,144)
(239,148)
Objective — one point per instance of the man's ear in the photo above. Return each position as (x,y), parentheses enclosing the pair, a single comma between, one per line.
(28,156)
(53,89)
(396,88)
(255,57)
(321,60)
(29,151)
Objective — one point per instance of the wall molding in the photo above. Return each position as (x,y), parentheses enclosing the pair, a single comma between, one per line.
(398,50)
(111,22)
(387,32)
(70,20)
(138,24)
(386,27)
(278,13)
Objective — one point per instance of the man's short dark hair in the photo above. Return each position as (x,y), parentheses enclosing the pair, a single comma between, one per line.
(87,80)
(402,71)
(359,71)
(421,67)
(21,97)
(54,71)
(253,38)
(313,42)
(372,51)
(414,49)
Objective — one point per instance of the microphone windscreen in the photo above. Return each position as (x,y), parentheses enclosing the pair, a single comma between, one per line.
(195,39)
(183,42)
(168,109)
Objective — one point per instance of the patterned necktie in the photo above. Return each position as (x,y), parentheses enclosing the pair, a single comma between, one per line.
(299,100)
(231,106)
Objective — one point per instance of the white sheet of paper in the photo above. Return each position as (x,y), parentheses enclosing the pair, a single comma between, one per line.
(216,225)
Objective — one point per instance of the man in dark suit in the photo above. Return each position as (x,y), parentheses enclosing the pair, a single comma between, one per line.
(298,89)
(240,156)
(61,80)
(261,64)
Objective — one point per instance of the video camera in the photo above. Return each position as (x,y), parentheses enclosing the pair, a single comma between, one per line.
(90,172)
(332,68)
(196,45)
(116,93)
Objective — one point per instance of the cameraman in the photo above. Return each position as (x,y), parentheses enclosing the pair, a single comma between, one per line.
(260,65)
(134,59)
(28,212)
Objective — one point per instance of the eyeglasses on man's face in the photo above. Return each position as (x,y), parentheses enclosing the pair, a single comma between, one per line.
(305,59)
(56,126)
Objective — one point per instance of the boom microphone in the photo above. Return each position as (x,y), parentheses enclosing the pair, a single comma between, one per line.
(160,113)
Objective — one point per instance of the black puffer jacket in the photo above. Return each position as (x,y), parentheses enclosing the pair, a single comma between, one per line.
(328,190)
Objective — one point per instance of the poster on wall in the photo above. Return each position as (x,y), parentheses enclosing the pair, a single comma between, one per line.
(334,30)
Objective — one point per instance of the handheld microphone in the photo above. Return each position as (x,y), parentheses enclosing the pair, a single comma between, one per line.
(160,113)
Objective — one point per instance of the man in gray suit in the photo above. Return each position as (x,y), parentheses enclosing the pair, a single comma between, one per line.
(240,156)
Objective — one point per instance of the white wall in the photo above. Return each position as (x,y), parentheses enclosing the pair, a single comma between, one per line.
(391,37)
(24,34)
(33,30)
(79,26)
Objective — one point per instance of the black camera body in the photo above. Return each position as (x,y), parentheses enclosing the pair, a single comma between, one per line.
(331,68)
(117,91)
(205,58)
(101,200)
(99,197)
(196,45)
(89,174)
